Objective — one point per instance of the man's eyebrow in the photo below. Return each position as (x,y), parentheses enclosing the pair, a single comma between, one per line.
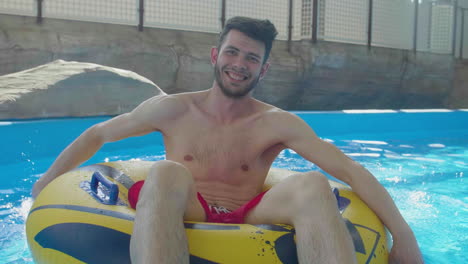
(232,47)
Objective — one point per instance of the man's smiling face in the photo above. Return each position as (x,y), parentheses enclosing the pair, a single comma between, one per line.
(238,64)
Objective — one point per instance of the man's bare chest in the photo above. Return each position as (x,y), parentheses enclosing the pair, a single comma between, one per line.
(218,146)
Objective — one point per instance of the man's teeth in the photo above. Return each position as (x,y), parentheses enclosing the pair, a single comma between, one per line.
(237,77)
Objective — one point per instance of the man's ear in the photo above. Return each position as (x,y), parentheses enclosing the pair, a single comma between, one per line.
(264,69)
(214,55)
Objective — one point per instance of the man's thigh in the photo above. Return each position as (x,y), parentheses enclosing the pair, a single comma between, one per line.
(275,206)
(170,181)
(291,198)
(194,210)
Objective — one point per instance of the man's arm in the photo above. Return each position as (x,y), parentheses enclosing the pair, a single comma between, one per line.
(147,117)
(302,139)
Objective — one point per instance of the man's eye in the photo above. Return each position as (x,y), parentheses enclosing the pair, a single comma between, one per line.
(230,52)
(253,59)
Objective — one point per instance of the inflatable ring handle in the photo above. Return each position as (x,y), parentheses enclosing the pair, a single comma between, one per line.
(113,188)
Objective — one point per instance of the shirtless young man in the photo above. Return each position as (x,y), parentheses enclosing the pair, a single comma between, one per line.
(220,144)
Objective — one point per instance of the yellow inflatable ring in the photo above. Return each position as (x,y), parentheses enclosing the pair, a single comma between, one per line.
(71,222)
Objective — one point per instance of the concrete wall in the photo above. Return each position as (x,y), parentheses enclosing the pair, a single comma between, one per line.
(324,76)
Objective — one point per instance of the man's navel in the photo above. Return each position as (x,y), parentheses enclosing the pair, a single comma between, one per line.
(188,157)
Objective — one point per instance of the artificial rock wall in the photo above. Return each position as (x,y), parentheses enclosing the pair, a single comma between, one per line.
(322,76)
(63,89)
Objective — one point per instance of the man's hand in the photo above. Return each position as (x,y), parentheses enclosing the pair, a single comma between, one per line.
(405,250)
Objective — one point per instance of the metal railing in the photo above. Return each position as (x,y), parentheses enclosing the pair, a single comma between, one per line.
(461,46)
(420,25)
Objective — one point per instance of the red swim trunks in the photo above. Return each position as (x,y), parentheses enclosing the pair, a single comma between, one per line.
(134,192)
(216,214)
(213,214)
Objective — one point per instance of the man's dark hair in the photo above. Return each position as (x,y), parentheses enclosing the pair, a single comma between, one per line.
(261,30)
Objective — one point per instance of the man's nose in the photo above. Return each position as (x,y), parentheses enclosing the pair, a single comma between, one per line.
(240,63)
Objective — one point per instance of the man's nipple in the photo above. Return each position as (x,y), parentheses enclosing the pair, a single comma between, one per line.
(188,157)
(245,167)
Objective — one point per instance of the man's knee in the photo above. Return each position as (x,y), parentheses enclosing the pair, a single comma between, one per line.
(168,173)
(309,188)
(167,178)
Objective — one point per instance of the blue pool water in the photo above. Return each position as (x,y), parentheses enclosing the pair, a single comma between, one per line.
(421,158)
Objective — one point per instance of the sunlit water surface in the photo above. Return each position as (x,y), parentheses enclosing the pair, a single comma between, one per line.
(425,173)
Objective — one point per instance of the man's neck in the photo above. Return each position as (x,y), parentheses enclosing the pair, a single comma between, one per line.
(226,109)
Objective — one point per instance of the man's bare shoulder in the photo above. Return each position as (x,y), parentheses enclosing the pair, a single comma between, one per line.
(265,109)
(161,102)
(275,114)
(161,108)
(170,106)
(190,98)
(281,121)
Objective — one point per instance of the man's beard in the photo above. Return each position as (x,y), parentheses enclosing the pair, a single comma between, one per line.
(235,94)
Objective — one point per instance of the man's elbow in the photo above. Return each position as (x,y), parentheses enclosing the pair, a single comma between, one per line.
(94,135)
(350,171)
(359,175)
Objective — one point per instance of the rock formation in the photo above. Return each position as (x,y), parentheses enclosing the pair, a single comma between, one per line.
(64,89)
